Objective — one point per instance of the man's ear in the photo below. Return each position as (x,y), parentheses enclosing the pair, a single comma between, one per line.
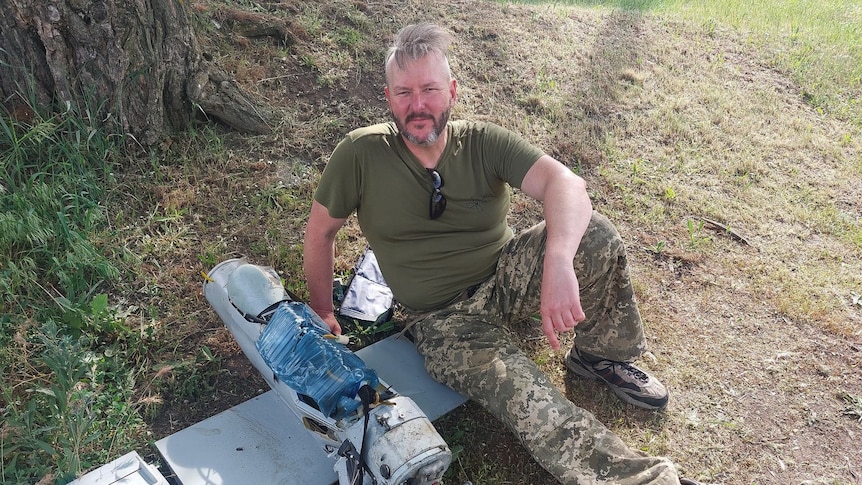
(453,92)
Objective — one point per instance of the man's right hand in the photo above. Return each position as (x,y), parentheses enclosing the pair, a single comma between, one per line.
(329,319)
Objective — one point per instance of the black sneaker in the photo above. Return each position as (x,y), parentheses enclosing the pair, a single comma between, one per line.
(629,383)
(688,481)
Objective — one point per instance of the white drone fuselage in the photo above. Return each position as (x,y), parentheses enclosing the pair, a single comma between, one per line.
(399,444)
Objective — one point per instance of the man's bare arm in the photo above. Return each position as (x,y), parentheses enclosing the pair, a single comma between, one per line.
(319,261)
(567,210)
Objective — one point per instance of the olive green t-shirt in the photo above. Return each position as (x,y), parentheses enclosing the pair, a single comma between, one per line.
(429,262)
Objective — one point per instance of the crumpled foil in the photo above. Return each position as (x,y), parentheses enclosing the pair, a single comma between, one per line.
(367,296)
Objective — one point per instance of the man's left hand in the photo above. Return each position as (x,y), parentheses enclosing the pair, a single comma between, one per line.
(561,302)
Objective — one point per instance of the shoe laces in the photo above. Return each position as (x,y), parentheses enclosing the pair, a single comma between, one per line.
(634,371)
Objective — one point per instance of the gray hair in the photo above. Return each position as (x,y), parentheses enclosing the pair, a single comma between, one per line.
(416,41)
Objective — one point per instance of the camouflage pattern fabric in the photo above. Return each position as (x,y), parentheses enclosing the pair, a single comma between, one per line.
(468,346)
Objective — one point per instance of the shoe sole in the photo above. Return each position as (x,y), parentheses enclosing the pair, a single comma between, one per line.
(577,368)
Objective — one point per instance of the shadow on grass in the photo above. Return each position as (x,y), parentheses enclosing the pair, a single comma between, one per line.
(615,55)
(627,5)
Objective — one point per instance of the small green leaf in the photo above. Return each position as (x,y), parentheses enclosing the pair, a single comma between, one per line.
(99,304)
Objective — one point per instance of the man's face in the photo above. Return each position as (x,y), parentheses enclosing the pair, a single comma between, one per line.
(420,97)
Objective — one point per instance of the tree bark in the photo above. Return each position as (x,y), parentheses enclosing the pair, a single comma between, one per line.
(134,63)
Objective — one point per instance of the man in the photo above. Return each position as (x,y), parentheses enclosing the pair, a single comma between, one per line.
(431,196)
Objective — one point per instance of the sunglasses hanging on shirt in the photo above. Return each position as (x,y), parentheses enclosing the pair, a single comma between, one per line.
(438,200)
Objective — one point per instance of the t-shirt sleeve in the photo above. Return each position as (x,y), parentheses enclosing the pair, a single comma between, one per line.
(514,156)
(339,187)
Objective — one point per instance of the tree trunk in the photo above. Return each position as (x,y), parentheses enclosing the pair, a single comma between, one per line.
(135,63)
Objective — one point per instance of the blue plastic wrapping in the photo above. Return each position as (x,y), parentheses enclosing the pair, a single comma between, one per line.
(294,347)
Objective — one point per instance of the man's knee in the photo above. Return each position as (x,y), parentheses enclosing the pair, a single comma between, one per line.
(601,248)
(604,233)
(474,368)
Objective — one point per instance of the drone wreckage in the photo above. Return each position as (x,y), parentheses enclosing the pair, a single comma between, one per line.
(373,435)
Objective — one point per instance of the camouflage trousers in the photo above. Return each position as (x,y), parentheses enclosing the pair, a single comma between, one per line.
(468,346)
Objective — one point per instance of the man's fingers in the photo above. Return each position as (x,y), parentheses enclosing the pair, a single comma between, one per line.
(550,332)
(333,325)
(580,316)
(567,321)
(552,340)
(564,322)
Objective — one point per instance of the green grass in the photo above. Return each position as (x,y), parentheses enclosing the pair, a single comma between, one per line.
(68,361)
(819,43)
(73,412)
(53,182)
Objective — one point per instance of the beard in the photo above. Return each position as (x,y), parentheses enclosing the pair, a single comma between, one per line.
(439,124)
